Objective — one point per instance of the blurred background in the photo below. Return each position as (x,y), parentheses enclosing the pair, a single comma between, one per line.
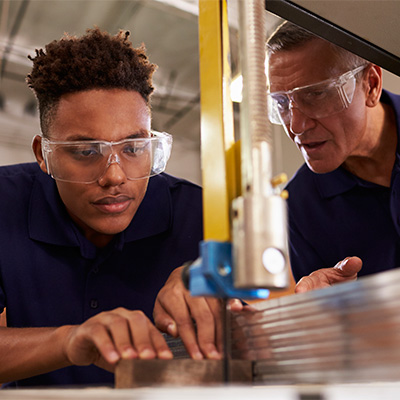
(169,30)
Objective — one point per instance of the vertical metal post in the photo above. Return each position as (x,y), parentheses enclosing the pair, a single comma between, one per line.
(217,136)
(259,223)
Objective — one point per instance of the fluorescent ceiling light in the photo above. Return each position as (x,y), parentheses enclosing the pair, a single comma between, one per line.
(236,89)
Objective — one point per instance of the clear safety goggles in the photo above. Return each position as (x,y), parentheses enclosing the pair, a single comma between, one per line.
(316,101)
(87,161)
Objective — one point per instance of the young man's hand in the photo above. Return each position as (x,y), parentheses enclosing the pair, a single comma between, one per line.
(175,312)
(113,335)
(101,340)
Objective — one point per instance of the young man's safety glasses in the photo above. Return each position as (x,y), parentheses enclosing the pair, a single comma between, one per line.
(86,161)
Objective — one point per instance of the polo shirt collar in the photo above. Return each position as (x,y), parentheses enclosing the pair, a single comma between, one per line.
(340,181)
(335,182)
(49,221)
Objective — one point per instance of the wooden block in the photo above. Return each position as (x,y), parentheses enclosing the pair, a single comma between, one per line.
(183,372)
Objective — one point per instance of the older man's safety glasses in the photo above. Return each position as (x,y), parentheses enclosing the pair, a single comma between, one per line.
(319,100)
(86,161)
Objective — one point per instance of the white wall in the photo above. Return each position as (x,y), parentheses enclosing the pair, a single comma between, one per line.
(16,134)
(185,161)
(391,82)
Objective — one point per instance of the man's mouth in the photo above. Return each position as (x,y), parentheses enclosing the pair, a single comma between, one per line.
(113,204)
(312,146)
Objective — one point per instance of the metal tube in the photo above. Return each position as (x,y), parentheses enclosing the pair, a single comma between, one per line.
(256,135)
(259,217)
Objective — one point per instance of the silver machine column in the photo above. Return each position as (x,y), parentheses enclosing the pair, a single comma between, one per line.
(259,220)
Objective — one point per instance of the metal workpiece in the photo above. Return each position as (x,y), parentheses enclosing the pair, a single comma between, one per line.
(260,258)
(184,372)
(345,333)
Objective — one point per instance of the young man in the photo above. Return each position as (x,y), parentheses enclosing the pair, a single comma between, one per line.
(344,201)
(91,232)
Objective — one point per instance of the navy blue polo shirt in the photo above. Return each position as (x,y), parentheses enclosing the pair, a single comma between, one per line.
(51,275)
(336,215)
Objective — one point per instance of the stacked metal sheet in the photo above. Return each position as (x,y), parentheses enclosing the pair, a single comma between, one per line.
(345,333)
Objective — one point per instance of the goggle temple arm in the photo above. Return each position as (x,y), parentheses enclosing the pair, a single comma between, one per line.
(45,152)
(161,155)
(346,91)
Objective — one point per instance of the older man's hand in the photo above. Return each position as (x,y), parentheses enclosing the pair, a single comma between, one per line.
(344,271)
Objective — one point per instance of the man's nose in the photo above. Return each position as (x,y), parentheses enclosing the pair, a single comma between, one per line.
(113,158)
(114,174)
(298,120)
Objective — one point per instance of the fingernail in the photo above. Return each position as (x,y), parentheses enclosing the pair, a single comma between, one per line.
(343,263)
(146,354)
(171,329)
(129,353)
(197,356)
(234,304)
(166,354)
(113,356)
(214,355)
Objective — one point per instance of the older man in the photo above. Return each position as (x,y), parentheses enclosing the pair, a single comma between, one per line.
(343,204)
(344,201)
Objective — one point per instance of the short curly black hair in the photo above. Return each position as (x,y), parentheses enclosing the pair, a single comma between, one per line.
(92,61)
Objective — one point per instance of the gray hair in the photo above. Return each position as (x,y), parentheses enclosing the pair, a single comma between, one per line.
(289,36)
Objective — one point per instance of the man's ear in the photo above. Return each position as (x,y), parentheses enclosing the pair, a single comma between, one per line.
(37,150)
(373,81)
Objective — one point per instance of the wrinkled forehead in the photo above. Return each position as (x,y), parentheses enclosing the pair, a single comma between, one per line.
(308,64)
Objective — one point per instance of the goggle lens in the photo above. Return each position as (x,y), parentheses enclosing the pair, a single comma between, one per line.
(87,161)
(319,100)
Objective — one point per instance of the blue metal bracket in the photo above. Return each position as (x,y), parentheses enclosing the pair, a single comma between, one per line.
(212,274)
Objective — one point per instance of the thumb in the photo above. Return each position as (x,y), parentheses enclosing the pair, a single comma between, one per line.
(349,266)
(235,305)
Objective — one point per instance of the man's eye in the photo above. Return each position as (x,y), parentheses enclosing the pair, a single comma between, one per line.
(135,149)
(88,152)
(84,152)
(282,102)
(316,95)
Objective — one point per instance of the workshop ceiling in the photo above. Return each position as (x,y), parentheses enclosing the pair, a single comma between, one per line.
(168,28)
